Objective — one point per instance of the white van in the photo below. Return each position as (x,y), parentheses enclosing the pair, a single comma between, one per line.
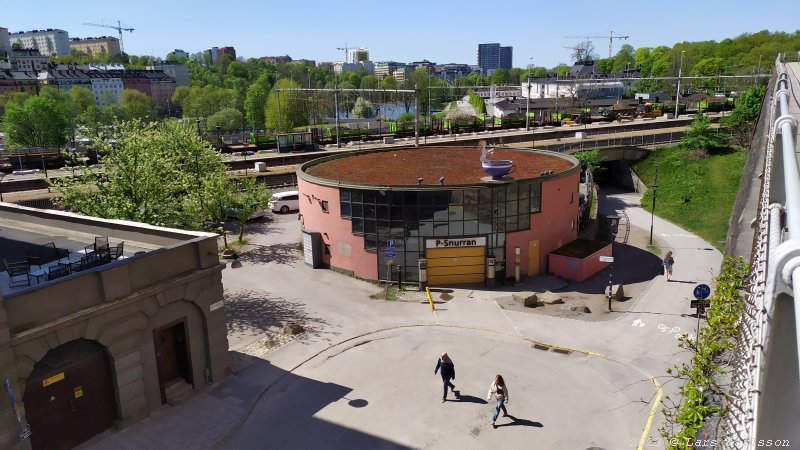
(285,201)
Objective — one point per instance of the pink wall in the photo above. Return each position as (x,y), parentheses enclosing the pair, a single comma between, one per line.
(554,227)
(579,269)
(338,231)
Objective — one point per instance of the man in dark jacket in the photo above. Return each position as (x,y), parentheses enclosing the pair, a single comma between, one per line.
(448,373)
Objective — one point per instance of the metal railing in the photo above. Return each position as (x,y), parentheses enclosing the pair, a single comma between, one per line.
(764,397)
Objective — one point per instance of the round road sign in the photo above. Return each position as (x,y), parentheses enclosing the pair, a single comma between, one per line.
(702,291)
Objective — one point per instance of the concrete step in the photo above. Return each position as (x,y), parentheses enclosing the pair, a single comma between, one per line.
(178,391)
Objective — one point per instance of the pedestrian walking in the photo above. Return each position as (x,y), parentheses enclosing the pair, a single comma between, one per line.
(499,390)
(448,373)
(668,262)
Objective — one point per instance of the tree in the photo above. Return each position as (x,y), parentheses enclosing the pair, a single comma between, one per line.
(591,160)
(370,82)
(226,119)
(624,59)
(363,109)
(477,102)
(180,94)
(205,101)
(254,103)
(153,173)
(136,104)
(700,138)
(583,52)
(39,122)
(742,120)
(253,195)
(293,109)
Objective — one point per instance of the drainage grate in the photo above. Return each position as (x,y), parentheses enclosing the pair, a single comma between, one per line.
(541,347)
(563,351)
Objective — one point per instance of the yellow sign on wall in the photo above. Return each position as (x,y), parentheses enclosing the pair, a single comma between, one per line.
(78,391)
(54,379)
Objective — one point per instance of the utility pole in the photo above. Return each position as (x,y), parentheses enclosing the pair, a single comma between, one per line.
(416,115)
(336,105)
(678,92)
(528,103)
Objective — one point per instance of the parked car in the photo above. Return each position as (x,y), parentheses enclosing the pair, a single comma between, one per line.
(232,213)
(285,201)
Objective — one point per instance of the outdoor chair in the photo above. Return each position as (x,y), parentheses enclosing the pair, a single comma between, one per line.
(61,270)
(17,269)
(116,252)
(100,241)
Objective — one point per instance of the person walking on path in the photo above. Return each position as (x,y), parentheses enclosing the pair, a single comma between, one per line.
(668,262)
(448,373)
(500,392)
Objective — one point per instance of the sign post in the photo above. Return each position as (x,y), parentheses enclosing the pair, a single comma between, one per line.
(390,246)
(701,293)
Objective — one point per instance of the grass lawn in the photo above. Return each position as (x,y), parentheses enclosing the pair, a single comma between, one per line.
(698,194)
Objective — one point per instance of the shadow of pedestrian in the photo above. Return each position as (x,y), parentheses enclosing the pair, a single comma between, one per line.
(470,399)
(520,422)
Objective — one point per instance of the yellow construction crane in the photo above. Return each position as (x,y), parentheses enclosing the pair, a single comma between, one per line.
(119,29)
(610,37)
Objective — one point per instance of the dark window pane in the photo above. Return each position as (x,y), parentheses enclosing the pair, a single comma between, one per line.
(471,197)
(500,210)
(441,198)
(456,212)
(485,212)
(425,213)
(369,196)
(456,198)
(410,198)
(358,225)
(412,228)
(383,211)
(396,212)
(370,242)
(499,194)
(345,207)
(425,198)
(441,213)
(470,212)
(456,228)
(357,197)
(344,195)
(358,210)
(499,225)
(412,244)
(511,191)
(383,227)
(511,223)
(525,222)
(511,208)
(369,226)
(369,211)
(524,206)
(411,213)
(382,197)
(485,196)
(525,190)
(470,227)
(440,229)
(484,227)
(396,198)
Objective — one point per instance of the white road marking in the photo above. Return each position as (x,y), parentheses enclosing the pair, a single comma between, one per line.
(637,323)
(667,329)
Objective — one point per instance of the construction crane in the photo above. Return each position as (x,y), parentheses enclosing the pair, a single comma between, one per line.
(610,37)
(119,29)
(346,48)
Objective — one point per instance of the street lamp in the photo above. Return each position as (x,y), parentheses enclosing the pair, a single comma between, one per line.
(654,186)
(528,103)
(677,94)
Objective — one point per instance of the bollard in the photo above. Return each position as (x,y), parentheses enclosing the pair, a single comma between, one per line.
(490,271)
(516,265)
(399,278)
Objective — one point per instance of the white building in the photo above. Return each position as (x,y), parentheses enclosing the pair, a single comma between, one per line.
(106,87)
(5,41)
(356,55)
(548,88)
(50,42)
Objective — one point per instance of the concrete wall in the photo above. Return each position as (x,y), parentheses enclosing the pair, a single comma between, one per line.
(347,249)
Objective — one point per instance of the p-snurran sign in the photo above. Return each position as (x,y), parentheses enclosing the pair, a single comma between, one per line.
(460,242)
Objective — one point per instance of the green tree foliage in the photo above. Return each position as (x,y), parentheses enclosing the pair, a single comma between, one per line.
(591,159)
(153,173)
(254,103)
(40,121)
(700,138)
(477,102)
(180,94)
(252,196)
(742,120)
(226,119)
(624,59)
(501,77)
(363,109)
(205,101)
(293,109)
(370,82)
(136,104)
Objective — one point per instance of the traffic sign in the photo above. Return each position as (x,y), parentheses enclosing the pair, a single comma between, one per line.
(389,261)
(390,243)
(390,248)
(608,259)
(702,291)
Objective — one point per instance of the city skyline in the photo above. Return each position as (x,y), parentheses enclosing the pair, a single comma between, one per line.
(418,31)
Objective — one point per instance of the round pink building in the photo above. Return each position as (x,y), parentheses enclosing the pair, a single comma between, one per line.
(378,214)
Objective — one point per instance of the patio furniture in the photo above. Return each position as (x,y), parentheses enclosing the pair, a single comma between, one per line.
(61,270)
(87,262)
(100,241)
(116,252)
(17,269)
(46,253)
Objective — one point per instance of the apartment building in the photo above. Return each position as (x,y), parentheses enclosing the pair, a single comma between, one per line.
(96,46)
(50,42)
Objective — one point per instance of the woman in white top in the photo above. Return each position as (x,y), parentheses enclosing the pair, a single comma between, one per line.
(500,392)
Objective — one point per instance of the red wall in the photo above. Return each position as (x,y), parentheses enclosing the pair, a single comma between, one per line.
(579,269)
(337,232)
(554,227)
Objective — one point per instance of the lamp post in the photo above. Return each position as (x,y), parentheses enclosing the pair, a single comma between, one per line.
(654,187)
(528,102)
(677,95)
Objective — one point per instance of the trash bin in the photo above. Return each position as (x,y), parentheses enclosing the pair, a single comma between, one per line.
(261,167)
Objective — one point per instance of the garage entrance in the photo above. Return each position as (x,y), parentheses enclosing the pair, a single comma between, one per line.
(456,261)
(69,395)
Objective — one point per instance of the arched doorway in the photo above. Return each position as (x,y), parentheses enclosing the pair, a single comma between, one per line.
(69,395)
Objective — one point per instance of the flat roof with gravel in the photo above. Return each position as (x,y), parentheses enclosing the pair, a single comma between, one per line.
(459,165)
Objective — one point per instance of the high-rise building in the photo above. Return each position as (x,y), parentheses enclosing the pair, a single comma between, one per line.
(356,55)
(5,41)
(178,53)
(50,42)
(492,57)
(105,45)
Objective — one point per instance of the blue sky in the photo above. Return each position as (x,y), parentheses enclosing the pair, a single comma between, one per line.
(401,31)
